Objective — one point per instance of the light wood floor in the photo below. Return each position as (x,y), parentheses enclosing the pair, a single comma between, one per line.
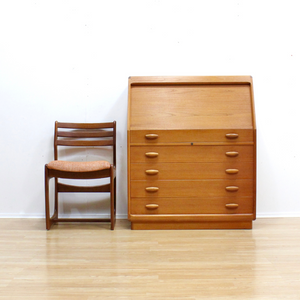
(92,262)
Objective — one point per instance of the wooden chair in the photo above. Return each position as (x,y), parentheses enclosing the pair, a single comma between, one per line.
(82,135)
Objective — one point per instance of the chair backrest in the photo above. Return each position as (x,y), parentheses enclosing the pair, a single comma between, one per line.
(85,135)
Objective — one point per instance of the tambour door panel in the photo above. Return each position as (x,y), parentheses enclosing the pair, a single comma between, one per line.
(191,205)
(178,171)
(190,153)
(191,136)
(192,188)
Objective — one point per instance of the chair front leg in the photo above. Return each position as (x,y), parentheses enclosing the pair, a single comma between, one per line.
(115,196)
(112,199)
(55,214)
(47,204)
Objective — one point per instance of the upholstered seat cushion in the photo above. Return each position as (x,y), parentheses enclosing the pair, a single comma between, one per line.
(74,166)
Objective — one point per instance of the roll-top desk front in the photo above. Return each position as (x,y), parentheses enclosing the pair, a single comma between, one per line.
(191,152)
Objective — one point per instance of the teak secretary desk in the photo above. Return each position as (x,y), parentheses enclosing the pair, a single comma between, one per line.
(191,152)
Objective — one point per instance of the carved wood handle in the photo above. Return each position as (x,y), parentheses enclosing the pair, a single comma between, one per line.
(231,205)
(151,172)
(151,154)
(232,153)
(231,171)
(152,189)
(231,135)
(151,136)
(232,188)
(152,206)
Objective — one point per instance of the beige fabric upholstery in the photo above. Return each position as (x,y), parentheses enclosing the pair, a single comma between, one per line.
(73,166)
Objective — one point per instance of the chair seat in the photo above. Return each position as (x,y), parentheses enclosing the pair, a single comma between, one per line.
(74,166)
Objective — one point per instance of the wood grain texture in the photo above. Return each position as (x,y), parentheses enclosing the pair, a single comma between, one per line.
(191,221)
(185,205)
(191,107)
(91,262)
(188,136)
(192,188)
(190,80)
(192,171)
(191,154)
(78,135)
(199,135)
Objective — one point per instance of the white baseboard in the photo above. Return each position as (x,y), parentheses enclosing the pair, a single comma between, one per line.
(278,215)
(42,216)
(124,216)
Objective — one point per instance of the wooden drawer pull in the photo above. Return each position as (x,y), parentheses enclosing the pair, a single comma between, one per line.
(152,206)
(232,153)
(231,135)
(151,154)
(232,188)
(151,172)
(231,171)
(152,189)
(231,205)
(151,136)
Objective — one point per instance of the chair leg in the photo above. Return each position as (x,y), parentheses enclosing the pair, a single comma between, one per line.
(47,205)
(115,197)
(55,214)
(112,199)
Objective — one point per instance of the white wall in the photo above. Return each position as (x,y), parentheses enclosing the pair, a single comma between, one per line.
(70,61)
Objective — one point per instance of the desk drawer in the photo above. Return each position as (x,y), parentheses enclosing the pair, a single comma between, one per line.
(191,153)
(191,136)
(192,188)
(191,205)
(179,171)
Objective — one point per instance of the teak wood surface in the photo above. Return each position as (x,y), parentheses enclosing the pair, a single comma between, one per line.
(91,262)
(192,148)
(77,135)
(191,107)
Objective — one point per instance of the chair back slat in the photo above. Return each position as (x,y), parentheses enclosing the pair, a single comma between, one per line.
(85,133)
(85,125)
(81,143)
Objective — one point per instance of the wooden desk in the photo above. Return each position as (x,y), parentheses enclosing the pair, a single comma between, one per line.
(191,152)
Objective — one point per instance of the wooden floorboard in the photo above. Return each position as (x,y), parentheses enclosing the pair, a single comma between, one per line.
(89,262)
